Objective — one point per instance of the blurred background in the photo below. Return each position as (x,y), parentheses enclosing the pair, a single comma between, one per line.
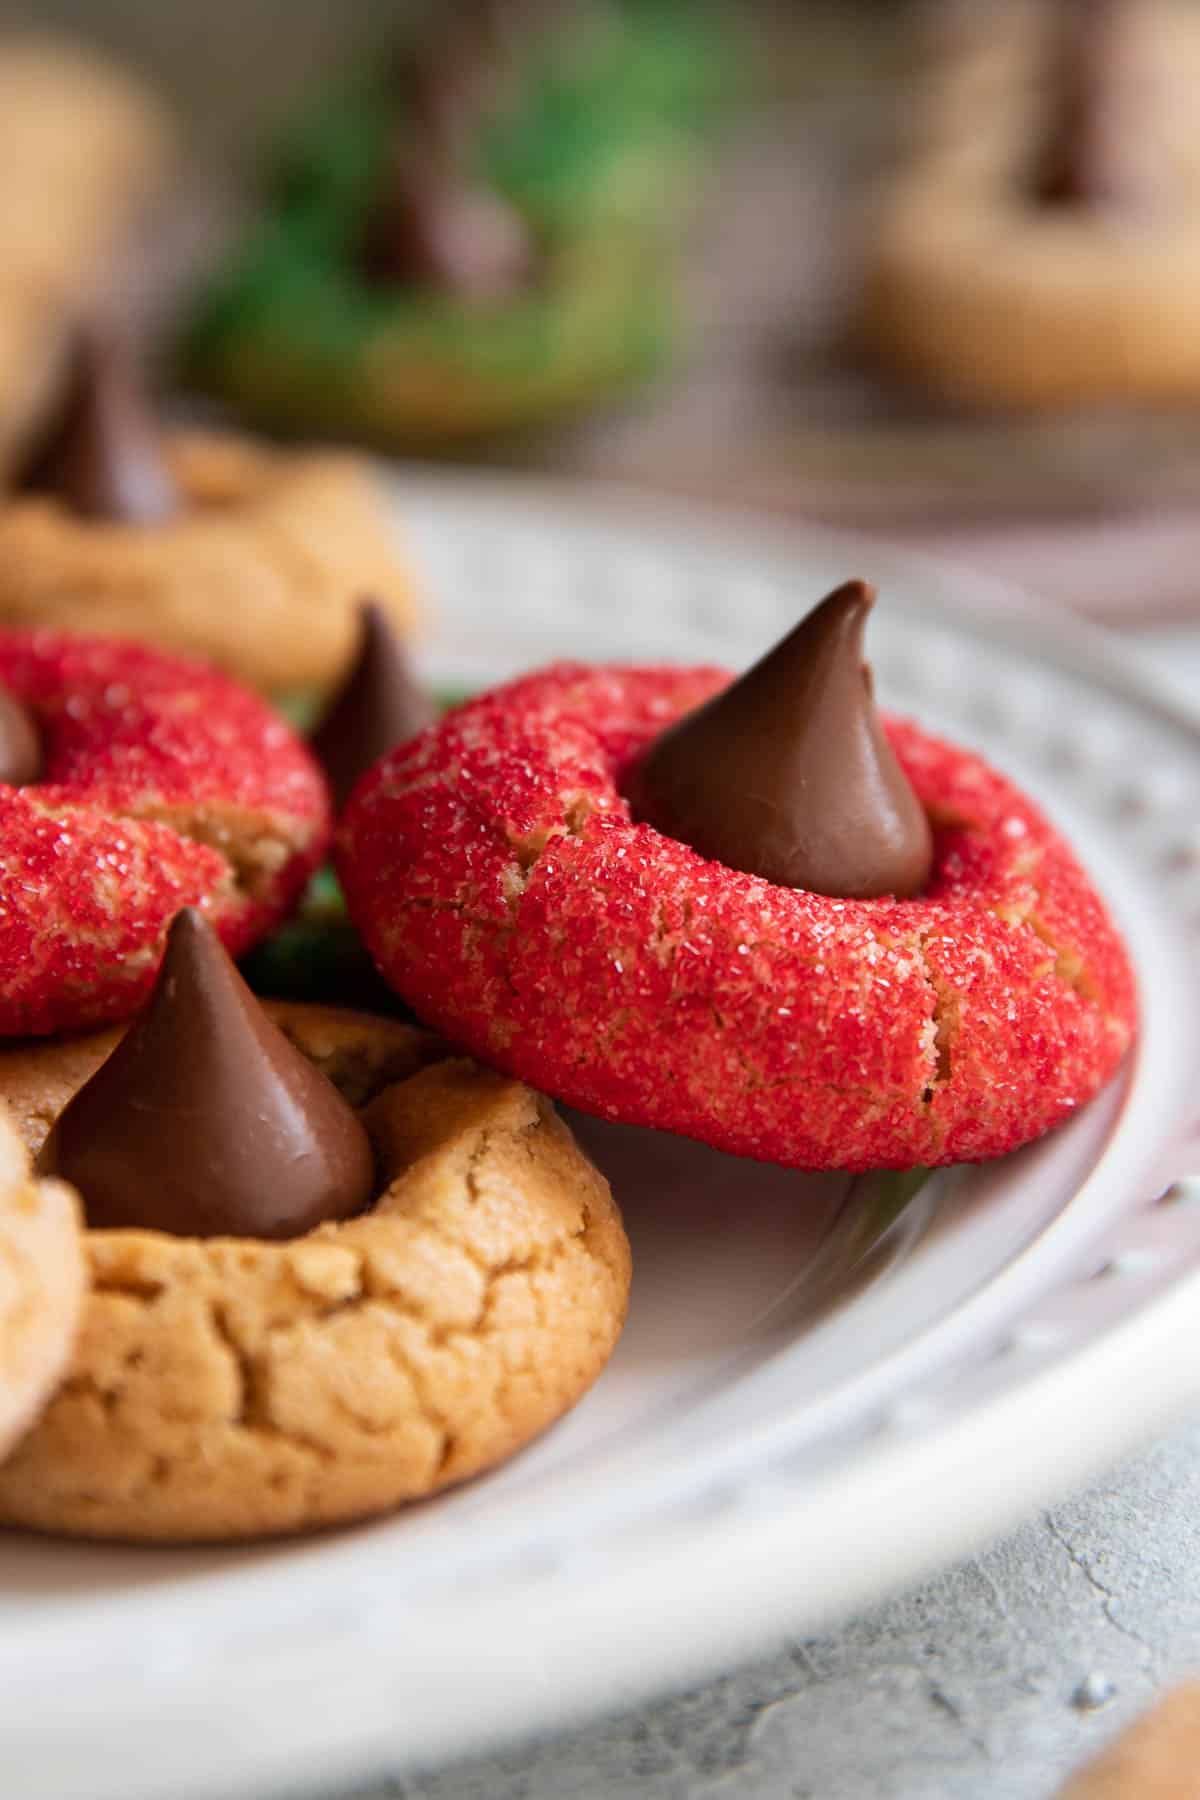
(737,368)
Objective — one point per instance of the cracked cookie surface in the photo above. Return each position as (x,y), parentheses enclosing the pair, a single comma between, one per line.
(261,573)
(493,868)
(225,1388)
(164,785)
(41,1284)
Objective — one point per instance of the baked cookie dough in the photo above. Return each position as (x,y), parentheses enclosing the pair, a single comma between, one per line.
(260,573)
(227,1388)
(506,891)
(254,558)
(984,293)
(160,784)
(87,148)
(41,1285)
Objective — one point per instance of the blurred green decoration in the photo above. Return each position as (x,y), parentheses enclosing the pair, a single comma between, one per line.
(317,954)
(598,146)
(303,707)
(318,957)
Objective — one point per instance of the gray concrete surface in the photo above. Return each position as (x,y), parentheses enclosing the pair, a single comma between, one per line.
(987,1683)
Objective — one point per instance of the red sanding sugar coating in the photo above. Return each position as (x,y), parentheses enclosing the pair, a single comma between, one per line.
(502,888)
(164,785)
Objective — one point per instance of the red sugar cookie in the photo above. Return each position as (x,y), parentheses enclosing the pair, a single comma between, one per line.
(493,867)
(162,785)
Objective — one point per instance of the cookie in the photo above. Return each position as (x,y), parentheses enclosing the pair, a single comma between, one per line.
(41,1285)
(88,147)
(1037,248)
(1156,1759)
(224,1388)
(422,377)
(474,239)
(127,530)
(506,890)
(298,537)
(157,783)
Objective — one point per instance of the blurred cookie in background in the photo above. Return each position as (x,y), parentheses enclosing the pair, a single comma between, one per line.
(207,542)
(89,149)
(477,234)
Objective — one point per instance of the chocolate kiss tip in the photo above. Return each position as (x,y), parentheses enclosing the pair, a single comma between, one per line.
(788,773)
(104,456)
(20,744)
(432,229)
(1089,157)
(379,705)
(205,1121)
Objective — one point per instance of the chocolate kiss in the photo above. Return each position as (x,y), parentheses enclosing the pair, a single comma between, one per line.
(205,1121)
(20,744)
(378,706)
(787,773)
(104,456)
(1089,157)
(433,228)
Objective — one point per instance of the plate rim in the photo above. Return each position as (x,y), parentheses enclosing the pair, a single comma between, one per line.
(745,1543)
(992,599)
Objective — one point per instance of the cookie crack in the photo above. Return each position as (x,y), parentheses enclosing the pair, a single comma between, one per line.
(252,1411)
(430,1412)
(945,1018)
(540,1260)
(250,1408)
(249,870)
(943,1025)
(142,1289)
(81,1385)
(241,1362)
(254,855)
(529,847)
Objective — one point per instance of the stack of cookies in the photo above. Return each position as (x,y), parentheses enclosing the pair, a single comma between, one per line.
(336,1259)
(270,1261)
(330,1262)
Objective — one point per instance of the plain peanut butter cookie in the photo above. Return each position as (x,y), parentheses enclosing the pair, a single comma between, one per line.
(1039,245)
(254,558)
(41,1285)
(260,571)
(226,1387)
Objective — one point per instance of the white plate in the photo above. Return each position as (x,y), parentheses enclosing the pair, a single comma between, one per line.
(809,1404)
